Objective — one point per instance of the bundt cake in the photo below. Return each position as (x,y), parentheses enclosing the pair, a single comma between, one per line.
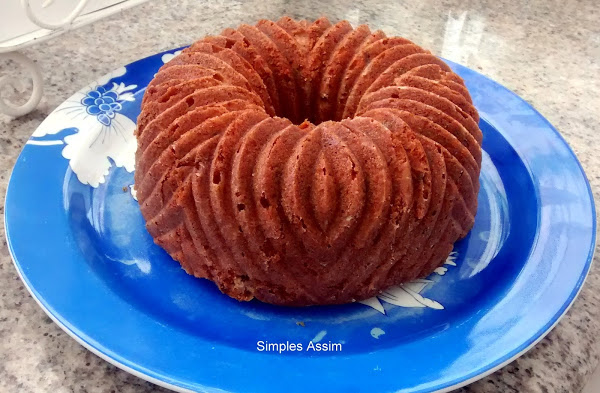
(307,163)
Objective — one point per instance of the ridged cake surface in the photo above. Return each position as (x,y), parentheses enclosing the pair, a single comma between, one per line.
(307,163)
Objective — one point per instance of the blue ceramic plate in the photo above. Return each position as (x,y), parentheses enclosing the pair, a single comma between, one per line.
(79,243)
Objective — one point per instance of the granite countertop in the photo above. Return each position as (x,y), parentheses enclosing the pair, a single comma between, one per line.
(547,52)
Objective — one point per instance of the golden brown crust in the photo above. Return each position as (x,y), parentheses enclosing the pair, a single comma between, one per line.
(318,58)
(279,65)
(240,65)
(334,71)
(289,212)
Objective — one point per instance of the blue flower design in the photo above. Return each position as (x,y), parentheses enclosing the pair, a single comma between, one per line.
(94,129)
(103,104)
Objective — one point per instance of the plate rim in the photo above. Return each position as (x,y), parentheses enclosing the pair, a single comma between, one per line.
(501,362)
(180,389)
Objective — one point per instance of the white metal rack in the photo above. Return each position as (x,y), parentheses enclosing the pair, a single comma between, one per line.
(25,23)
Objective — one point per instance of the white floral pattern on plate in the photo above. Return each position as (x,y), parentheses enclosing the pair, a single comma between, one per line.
(102,136)
(409,294)
(167,57)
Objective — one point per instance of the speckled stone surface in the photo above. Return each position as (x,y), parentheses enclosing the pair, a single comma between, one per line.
(548,52)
